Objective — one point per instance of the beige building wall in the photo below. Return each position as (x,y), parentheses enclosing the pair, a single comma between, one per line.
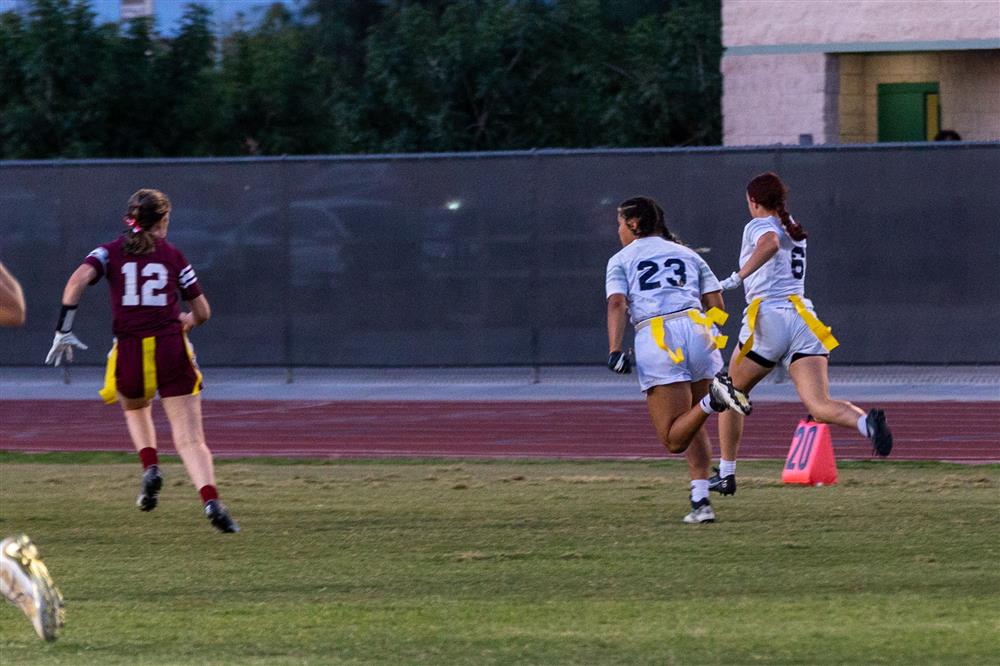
(758,22)
(779,98)
(969,86)
(812,67)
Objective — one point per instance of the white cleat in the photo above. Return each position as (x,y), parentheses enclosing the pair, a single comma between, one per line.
(700,513)
(25,582)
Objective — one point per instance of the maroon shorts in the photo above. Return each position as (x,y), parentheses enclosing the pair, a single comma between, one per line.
(143,367)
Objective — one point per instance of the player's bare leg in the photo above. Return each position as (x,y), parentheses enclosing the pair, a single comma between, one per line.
(745,373)
(810,376)
(675,419)
(139,421)
(699,458)
(699,452)
(184,414)
(812,383)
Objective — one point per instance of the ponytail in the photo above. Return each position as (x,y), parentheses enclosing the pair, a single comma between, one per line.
(650,220)
(793,228)
(768,191)
(145,210)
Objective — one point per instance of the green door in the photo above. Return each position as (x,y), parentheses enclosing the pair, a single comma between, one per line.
(908,111)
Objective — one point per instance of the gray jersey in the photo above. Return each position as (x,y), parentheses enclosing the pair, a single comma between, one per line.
(783,274)
(658,277)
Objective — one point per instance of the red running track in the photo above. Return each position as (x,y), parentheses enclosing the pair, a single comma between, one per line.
(953,431)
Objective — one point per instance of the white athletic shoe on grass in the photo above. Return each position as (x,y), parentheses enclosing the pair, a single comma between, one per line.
(700,513)
(25,582)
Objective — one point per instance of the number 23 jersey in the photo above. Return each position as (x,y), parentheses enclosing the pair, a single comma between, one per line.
(144,287)
(658,277)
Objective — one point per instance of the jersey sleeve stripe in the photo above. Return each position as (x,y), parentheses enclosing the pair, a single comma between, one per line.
(101,254)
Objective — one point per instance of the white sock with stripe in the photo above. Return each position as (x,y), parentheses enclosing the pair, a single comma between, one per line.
(727,467)
(699,490)
(863,425)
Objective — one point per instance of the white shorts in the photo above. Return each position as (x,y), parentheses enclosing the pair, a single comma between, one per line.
(781,334)
(655,367)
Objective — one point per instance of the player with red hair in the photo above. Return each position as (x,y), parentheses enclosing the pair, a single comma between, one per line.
(780,326)
(151,353)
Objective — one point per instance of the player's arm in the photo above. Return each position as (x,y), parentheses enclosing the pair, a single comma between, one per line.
(12,308)
(199,314)
(618,360)
(713,299)
(64,340)
(77,284)
(766,247)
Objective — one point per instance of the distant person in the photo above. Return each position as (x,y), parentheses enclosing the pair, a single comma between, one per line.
(664,287)
(12,307)
(151,353)
(947,135)
(780,326)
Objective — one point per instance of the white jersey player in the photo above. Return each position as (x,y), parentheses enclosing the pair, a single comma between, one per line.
(781,326)
(665,286)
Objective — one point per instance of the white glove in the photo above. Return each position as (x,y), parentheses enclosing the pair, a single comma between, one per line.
(732,282)
(62,344)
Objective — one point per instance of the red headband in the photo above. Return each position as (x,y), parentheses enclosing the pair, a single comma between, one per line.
(132,224)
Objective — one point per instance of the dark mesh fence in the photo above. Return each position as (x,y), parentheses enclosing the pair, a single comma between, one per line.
(498,259)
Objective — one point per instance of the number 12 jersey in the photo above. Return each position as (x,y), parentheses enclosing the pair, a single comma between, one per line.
(144,287)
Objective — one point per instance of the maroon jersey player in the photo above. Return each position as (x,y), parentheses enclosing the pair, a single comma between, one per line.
(147,277)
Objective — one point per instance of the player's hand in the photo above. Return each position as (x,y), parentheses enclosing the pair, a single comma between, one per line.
(187,321)
(732,282)
(62,346)
(620,362)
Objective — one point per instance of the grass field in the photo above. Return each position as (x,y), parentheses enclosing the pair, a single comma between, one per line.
(509,562)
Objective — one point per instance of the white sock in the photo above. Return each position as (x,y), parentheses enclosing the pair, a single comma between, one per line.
(727,467)
(699,490)
(705,406)
(863,425)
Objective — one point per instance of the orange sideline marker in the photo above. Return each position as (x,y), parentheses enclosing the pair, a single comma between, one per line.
(810,457)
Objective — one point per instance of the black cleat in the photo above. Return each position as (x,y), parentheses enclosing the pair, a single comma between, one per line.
(879,433)
(218,515)
(149,492)
(723,395)
(724,485)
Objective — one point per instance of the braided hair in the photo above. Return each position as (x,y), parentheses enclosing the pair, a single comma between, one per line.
(650,220)
(768,191)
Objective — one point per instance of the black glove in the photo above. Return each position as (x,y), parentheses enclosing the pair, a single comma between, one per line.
(620,362)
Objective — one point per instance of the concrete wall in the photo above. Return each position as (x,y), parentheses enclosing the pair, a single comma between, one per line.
(795,67)
(770,99)
(757,22)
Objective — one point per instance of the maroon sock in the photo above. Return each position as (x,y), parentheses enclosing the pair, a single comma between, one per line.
(148,457)
(208,493)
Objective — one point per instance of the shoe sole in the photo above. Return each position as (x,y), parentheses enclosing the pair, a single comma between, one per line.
(49,600)
(733,398)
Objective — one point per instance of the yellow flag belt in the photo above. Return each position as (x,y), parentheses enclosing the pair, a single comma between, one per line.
(823,332)
(714,316)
